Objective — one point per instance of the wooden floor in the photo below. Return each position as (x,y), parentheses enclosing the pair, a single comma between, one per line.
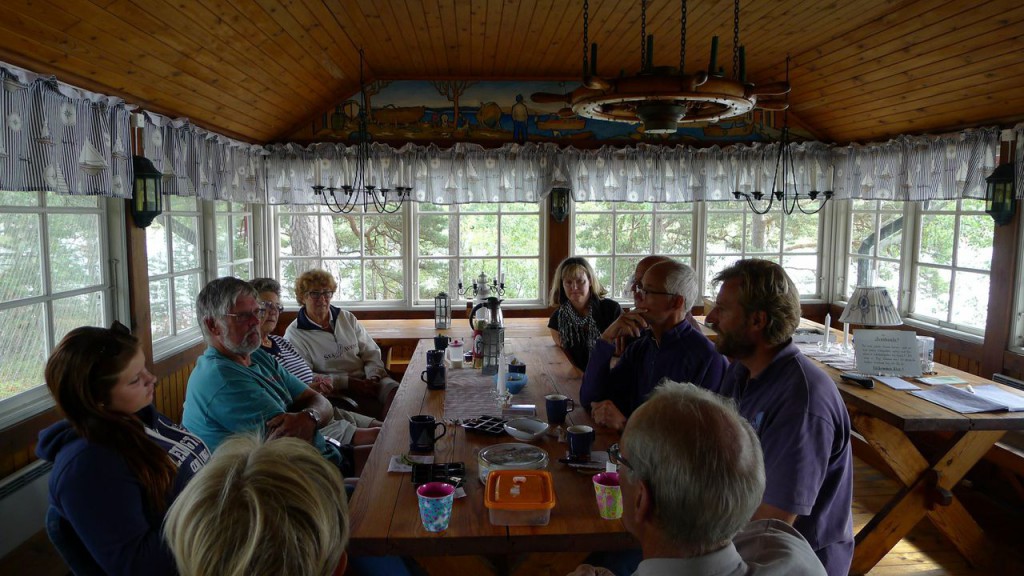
(925,552)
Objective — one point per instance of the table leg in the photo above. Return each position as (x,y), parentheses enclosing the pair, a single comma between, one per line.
(928,493)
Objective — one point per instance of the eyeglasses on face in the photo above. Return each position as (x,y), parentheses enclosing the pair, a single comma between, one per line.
(642,292)
(317,294)
(269,307)
(616,457)
(245,317)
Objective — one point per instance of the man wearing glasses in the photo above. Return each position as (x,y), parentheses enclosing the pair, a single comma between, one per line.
(236,387)
(691,475)
(666,346)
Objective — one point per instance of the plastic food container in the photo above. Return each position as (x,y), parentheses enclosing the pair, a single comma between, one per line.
(520,497)
(511,456)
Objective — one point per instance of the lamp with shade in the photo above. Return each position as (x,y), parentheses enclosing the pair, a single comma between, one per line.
(869,306)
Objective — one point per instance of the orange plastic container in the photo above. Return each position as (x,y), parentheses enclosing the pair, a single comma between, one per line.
(519,497)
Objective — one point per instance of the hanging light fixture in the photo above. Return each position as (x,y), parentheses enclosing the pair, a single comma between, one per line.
(661,98)
(784,182)
(361,190)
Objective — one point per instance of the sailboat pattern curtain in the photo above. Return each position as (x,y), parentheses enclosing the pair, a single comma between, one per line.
(197,162)
(58,138)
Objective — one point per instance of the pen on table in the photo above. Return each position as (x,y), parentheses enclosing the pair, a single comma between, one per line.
(970,389)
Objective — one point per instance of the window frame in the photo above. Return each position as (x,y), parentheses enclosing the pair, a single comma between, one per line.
(179,341)
(112,236)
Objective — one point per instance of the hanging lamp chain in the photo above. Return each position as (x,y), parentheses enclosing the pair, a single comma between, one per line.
(643,35)
(682,37)
(736,40)
(586,30)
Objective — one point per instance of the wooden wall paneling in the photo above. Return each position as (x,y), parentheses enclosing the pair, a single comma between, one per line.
(18,442)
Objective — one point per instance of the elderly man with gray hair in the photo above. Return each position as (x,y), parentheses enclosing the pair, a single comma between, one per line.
(236,387)
(666,346)
(691,475)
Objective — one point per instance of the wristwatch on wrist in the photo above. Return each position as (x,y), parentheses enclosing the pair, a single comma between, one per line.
(312,413)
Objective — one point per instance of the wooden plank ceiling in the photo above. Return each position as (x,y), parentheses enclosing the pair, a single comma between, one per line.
(256,70)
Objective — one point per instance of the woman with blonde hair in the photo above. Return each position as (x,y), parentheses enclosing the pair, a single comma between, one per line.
(117,462)
(583,311)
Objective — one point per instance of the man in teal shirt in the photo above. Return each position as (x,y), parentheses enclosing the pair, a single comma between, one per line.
(236,387)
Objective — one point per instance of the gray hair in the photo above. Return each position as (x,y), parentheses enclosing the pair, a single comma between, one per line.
(217,298)
(262,285)
(700,459)
(680,279)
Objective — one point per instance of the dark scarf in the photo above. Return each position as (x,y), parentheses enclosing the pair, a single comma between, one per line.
(574,329)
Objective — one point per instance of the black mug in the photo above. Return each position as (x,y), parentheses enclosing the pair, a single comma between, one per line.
(436,377)
(580,437)
(421,433)
(435,357)
(441,342)
(558,406)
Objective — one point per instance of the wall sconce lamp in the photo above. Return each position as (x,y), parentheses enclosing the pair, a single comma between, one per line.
(559,203)
(146,191)
(1000,200)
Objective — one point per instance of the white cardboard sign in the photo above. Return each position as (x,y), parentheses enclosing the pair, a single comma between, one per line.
(887,352)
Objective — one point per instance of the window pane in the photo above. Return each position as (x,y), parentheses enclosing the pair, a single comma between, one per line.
(592,235)
(433,277)
(888,275)
(346,235)
(243,270)
(478,235)
(974,250)
(434,239)
(156,247)
(520,235)
(241,236)
(81,310)
(222,235)
(185,239)
(970,300)
(186,288)
(803,270)
(724,232)
(764,233)
(8,198)
(63,201)
(521,281)
(603,268)
(937,232)
(183,203)
(349,276)
(472,267)
(802,233)
(634,233)
(22,359)
(20,262)
(932,295)
(862,233)
(383,235)
(75,251)
(673,234)
(159,308)
(890,236)
(384,280)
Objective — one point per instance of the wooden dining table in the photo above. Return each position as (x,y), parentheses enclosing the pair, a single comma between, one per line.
(384,511)
(888,419)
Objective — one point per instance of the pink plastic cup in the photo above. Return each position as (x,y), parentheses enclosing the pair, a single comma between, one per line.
(609,495)
(436,505)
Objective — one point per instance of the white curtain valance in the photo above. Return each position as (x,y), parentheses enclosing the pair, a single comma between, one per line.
(58,138)
(461,174)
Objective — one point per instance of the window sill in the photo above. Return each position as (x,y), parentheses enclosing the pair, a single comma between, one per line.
(175,345)
(949,332)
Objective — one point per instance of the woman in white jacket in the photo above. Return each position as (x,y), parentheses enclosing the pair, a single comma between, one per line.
(333,342)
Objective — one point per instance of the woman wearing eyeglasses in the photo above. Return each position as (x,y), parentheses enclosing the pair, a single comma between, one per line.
(332,341)
(347,427)
(117,462)
(583,312)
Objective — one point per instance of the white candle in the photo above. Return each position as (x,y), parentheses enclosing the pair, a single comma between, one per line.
(846,337)
(502,277)
(828,327)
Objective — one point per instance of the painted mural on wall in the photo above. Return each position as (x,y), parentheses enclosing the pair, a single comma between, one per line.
(498,112)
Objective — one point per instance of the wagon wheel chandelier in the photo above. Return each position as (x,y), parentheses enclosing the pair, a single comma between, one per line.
(661,98)
(358,190)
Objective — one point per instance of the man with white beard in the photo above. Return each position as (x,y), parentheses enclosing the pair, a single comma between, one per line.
(236,387)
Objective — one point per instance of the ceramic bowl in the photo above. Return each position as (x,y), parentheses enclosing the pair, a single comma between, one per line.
(525,429)
(514,383)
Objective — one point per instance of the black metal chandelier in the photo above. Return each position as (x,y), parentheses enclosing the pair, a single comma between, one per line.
(359,191)
(784,182)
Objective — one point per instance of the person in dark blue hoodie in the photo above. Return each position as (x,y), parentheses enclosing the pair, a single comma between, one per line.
(118,462)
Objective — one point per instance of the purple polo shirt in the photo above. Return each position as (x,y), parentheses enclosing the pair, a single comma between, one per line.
(684,355)
(804,429)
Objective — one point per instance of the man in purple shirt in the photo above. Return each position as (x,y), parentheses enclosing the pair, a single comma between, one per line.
(668,347)
(793,406)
